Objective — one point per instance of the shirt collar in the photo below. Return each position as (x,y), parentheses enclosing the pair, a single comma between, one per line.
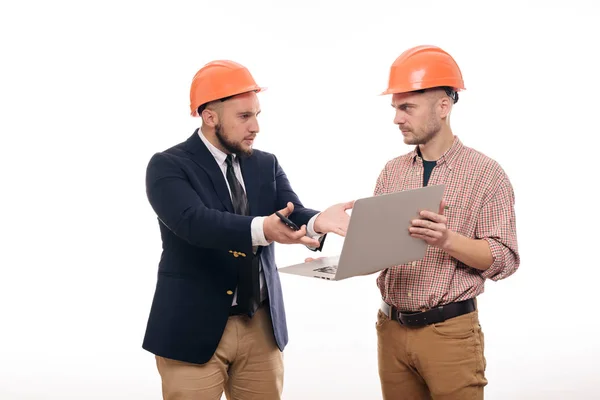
(448,157)
(219,155)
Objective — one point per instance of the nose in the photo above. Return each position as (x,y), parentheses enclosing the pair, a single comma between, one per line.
(400,118)
(254,128)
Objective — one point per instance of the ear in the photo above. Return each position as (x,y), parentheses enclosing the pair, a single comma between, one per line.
(445,106)
(210,117)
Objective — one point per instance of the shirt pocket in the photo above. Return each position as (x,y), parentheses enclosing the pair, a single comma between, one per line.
(457,219)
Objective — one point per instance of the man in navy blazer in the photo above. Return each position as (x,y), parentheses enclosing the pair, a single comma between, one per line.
(217,321)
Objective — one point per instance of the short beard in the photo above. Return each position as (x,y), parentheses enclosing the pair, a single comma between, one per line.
(232,147)
(431,130)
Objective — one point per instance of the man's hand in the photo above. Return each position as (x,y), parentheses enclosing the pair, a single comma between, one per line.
(276,231)
(334,219)
(431,227)
(310,259)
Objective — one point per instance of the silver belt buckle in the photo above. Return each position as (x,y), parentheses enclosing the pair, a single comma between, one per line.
(386,308)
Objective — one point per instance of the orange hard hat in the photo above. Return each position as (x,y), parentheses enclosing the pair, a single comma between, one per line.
(219,79)
(424,67)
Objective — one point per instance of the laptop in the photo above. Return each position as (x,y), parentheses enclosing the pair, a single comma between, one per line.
(377,237)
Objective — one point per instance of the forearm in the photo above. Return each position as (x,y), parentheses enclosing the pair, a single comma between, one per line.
(302,215)
(497,226)
(474,253)
(214,229)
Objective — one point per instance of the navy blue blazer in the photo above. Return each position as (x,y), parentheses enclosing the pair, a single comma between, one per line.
(204,243)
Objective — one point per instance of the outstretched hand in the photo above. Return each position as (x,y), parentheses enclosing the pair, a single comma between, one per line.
(334,219)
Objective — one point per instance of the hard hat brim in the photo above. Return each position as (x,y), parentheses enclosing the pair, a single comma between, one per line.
(255,89)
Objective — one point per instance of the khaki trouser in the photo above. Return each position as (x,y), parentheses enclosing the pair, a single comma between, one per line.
(442,361)
(247,365)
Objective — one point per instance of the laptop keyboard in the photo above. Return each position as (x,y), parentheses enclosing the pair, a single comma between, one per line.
(328,269)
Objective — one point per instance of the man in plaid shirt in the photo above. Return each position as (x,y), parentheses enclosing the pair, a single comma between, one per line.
(430,342)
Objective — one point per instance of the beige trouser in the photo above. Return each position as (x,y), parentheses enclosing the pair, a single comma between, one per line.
(247,365)
(437,361)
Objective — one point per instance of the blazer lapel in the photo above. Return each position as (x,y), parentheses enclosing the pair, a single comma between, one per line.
(202,156)
(251,174)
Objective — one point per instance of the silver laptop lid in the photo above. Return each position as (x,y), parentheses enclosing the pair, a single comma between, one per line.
(378,236)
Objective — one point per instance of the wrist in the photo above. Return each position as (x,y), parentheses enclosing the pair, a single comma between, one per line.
(257,229)
(266,230)
(316,227)
(450,243)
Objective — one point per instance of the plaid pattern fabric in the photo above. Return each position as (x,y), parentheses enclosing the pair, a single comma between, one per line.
(481,206)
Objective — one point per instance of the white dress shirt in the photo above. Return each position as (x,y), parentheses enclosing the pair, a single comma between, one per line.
(256,227)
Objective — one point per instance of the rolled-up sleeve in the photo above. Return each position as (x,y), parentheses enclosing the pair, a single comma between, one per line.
(496,224)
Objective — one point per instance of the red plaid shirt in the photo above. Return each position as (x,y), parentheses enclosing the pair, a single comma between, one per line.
(481,206)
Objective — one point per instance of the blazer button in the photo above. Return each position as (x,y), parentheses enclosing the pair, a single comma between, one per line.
(229,292)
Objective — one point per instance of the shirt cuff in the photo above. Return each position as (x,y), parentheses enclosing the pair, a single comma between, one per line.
(310,228)
(258,234)
(497,266)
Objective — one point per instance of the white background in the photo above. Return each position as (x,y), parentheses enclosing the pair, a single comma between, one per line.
(89,90)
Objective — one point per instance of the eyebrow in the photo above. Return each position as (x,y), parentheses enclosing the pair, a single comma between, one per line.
(404,105)
(249,112)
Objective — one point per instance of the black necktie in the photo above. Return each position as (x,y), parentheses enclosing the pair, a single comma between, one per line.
(248,295)
(238,196)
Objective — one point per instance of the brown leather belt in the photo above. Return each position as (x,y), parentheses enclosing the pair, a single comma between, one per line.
(431,316)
